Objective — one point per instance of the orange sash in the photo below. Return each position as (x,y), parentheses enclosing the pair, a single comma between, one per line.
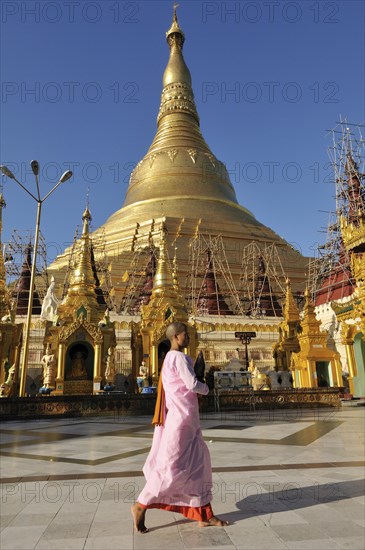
(158,417)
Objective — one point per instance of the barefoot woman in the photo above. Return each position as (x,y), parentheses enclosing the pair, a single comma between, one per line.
(178,469)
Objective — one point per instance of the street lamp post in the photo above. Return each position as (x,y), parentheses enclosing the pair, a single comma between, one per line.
(245,339)
(65,176)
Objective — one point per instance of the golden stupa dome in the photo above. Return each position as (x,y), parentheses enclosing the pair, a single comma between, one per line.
(180,175)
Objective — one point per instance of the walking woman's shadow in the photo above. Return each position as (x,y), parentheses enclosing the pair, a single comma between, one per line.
(291,496)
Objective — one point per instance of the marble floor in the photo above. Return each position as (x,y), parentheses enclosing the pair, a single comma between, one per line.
(289,479)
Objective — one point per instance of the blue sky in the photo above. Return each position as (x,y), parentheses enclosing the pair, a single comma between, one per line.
(81,85)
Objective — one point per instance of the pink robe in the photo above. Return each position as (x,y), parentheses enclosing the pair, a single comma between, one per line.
(178,468)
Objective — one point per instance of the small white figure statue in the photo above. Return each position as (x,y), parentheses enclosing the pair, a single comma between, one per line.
(6,387)
(143,371)
(48,363)
(110,366)
(50,303)
(142,379)
(105,320)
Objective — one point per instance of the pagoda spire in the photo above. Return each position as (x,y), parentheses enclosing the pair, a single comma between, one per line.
(177,72)
(83,280)
(163,281)
(165,299)
(310,324)
(291,311)
(179,163)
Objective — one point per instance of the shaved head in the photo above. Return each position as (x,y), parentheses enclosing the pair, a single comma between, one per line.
(175,328)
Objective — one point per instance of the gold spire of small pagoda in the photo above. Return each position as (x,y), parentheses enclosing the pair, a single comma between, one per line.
(166,303)
(291,311)
(310,324)
(163,281)
(82,280)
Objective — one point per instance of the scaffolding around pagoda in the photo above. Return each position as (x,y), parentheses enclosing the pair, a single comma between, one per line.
(142,265)
(331,266)
(15,256)
(262,280)
(208,263)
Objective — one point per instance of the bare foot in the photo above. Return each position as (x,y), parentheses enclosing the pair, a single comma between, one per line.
(138,514)
(214,521)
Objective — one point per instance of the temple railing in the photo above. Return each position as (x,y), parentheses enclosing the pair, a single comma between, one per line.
(121,404)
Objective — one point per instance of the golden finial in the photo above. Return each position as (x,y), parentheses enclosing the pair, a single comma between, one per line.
(86,216)
(176,5)
(175,30)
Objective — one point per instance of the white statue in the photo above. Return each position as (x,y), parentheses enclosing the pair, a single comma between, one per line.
(50,303)
(142,379)
(48,363)
(6,387)
(143,371)
(110,366)
(105,320)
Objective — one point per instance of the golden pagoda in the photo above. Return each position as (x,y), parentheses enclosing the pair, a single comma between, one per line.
(315,365)
(81,334)
(182,182)
(181,185)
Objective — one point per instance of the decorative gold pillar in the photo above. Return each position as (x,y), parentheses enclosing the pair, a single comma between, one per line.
(154,362)
(60,369)
(97,368)
(336,373)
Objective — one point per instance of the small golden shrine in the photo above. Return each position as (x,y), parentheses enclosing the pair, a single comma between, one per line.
(10,333)
(315,365)
(81,337)
(165,306)
(288,331)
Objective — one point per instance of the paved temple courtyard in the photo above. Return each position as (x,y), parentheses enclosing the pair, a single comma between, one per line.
(283,479)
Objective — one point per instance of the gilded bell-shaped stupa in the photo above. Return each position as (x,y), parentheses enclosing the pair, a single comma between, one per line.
(181,181)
